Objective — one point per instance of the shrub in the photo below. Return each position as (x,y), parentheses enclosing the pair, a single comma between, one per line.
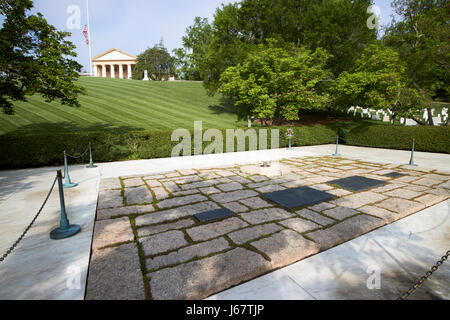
(36,150)
(428,139)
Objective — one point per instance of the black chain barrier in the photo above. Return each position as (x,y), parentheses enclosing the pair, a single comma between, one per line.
(419,283)
(81,155)
(30,225)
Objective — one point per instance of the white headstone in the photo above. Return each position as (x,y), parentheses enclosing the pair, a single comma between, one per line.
(410,122)
(437,120)
(386,119)
(146,76)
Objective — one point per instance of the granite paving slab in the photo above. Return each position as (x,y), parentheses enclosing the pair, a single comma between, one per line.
(110,184)
(115,274)
(138,195)
(315,217)
(235,207)
(233,196)
(358,200)
(285,247)
(394,174)
(256,203)
(133,182)
(340,213)
(103,214)
(266,215)
(176,213)
(202,249)
(201,278)
(344,231)
(215,229)
(109,199)
(300,225)
(245,235)
(146,231)
(179,201)
(112,231)
(401,206)
(163,242)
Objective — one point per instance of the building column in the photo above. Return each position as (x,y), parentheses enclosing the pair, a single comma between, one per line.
(129,71)
(113,72)
(95,68)
(103,71)
(121,71)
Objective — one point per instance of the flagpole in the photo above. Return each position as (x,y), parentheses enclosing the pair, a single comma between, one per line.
(89,37)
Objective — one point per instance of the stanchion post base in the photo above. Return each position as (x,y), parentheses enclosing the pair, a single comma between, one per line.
(336,155)
(91,166)
(60,233)
(69,185)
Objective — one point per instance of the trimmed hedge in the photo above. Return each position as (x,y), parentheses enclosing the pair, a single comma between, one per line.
(36,150)
(428,139)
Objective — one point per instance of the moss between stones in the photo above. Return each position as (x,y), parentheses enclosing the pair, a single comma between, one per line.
(147,289)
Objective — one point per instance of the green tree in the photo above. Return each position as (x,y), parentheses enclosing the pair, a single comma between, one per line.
(338,26)
(34,58)
(195,45)
(421,38)
(157,61)
(378,81)
(276,81)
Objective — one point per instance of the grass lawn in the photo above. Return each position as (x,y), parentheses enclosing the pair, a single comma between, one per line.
(117,104)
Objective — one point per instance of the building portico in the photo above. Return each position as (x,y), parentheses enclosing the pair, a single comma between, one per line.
(114,64)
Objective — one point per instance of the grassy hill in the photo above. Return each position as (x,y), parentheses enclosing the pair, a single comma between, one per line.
(117,104)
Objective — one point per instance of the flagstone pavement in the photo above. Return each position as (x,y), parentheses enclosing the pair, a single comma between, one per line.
(148,245)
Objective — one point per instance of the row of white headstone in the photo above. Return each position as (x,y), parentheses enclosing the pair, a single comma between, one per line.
(385,115)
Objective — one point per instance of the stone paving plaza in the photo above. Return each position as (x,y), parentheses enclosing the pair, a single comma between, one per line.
(148,244)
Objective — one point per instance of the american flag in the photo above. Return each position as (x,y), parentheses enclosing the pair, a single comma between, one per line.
(85,32)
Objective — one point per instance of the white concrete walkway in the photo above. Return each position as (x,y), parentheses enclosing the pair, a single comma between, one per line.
(40,268)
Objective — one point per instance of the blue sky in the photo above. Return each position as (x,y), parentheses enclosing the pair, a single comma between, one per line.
(134,25)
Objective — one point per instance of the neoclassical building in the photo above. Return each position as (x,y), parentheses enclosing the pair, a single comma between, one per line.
(114,64)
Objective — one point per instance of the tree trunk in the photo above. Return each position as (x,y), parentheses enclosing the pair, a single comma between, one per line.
(420,122)
(430,117)
(280,120)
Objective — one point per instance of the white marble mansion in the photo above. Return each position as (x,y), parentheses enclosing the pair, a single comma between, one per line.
(114,64)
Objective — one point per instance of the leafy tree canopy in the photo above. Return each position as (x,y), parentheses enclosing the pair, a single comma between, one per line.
(421,39)
(378,81)
(34,58)
(276,81)
(157,61)
(195,45)
(338,26)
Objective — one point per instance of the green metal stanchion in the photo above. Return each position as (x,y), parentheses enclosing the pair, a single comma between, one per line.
(67,183)
(91,163)
(65,229)
(289,136)
(336,153)
(411,161)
